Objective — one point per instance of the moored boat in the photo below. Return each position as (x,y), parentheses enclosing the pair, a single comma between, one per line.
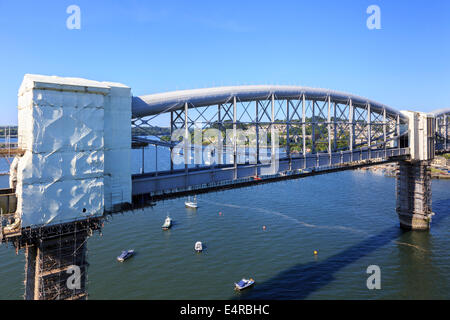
(198,246)
(244,283)
(191,204)
(125,255)
(167,223)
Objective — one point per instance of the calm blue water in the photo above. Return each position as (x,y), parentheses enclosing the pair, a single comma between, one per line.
(348,217)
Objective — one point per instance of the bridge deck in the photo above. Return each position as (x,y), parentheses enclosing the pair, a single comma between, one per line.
(166,184)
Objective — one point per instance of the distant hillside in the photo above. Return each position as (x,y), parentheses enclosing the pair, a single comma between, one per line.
(150,131)
(10,130)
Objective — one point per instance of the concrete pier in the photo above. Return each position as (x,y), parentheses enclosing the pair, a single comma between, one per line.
(414,195)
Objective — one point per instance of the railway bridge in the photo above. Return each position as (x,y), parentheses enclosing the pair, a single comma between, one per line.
(73,158)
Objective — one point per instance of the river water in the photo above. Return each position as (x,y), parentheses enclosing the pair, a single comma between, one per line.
(348,217)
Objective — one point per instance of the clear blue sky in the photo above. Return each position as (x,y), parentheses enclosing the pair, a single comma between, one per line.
(156,46)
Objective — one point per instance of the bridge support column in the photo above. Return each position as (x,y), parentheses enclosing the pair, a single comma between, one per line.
(56,259)
(414,176)
(56,268)
(414,195)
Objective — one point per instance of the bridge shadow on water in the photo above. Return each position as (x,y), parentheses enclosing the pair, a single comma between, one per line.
(301,280)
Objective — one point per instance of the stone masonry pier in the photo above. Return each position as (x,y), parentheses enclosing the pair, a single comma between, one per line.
(414,195)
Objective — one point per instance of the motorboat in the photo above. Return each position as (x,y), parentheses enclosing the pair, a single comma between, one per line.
(191,204)
(125,255)
(244,283)
(167,223)
(198,246)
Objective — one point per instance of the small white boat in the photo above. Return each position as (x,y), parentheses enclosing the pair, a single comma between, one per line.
(198,246)
(244,283)
(191,204)
(167,223)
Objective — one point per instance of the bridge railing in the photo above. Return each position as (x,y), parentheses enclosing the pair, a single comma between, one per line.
(177,181)
(8,143)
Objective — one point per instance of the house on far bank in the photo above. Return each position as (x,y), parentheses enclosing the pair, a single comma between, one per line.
(440,161)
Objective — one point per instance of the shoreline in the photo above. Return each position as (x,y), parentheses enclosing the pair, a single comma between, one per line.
(440,169)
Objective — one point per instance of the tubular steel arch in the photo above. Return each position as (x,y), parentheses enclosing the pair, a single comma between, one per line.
(317,129)
(308,120)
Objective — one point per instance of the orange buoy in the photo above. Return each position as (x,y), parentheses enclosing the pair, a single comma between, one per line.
(264,227)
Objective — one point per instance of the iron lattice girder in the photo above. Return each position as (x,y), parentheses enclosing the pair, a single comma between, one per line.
(280,106)
(442,125)
(246,107)
(442,128)
(324,120)
(227,113)
(263,105)
(314,116)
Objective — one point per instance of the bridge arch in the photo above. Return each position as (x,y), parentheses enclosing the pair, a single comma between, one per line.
(170,101)
(311,120)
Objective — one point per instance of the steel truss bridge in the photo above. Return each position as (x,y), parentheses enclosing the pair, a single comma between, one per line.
(318,131)
(237,137)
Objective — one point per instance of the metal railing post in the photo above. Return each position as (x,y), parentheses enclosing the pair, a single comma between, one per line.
(329,129)
(288,139)
(234,138)
(352,128)
(304,128)
(171,148)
